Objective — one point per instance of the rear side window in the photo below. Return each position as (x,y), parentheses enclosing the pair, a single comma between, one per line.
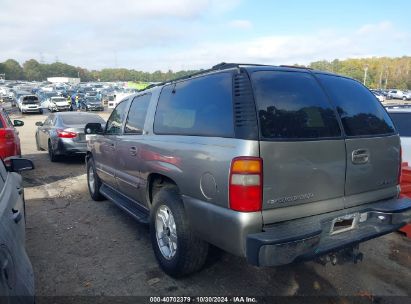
(81,119)
(201,106)
(291,105)
(361,114)
(137,114)
(6,117)
(1,122)
(116,119)
(403,123)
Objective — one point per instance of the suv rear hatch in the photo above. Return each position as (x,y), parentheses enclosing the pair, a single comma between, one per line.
(372,143)
(312,162)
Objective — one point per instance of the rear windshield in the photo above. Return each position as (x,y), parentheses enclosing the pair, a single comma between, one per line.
(291,105)
(361,113)
(92,100)
(81,119)
(402,122)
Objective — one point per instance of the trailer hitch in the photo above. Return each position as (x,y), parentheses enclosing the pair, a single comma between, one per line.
(346,255)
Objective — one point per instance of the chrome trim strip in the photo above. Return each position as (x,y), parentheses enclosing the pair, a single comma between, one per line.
(105,172)
(126,182)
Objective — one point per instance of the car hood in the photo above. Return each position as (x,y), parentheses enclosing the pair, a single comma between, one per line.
(61,103)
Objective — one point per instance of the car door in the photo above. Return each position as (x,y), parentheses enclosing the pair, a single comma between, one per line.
(16,274)
(43,131)
(105,156)
(129,148)
(16,138)
(372,145)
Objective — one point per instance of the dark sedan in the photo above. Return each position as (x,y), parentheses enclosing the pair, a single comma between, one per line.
(62,134)
(91,104)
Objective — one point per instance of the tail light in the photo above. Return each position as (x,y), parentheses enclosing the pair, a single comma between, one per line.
(66,134)
(6,133)
(400,167)
(245,184)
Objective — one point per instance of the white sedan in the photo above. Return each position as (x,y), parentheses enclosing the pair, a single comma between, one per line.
(401,116)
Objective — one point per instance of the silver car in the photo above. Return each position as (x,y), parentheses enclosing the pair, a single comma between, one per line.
(62,134)
(274,164)
(16,272)
(398,94)
(401,115)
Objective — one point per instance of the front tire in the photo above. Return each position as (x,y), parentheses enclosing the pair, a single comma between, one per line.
(93,181)
(178,250)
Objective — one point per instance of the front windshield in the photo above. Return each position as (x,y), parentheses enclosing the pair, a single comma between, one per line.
(30,100)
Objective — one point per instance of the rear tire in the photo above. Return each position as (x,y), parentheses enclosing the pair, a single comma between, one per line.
(93,181)
(37,144)
(52,155)
(178,250)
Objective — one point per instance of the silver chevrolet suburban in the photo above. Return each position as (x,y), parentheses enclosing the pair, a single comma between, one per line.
(275,164)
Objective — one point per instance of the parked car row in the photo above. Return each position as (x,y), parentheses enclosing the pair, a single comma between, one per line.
(11,91)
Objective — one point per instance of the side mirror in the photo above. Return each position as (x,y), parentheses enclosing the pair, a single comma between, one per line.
(18,123)
(19,164)
(39,124)
(93,128)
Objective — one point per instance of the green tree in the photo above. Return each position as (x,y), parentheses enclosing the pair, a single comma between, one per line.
(32,70)
(13,70)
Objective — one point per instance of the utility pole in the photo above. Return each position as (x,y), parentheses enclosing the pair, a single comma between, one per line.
(365,73)
(380,83)
(386,79)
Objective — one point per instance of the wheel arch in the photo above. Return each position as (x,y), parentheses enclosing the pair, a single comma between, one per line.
(155,182)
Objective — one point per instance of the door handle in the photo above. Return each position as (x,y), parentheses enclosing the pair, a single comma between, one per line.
(133,151)
(17,216)
(19,190)
(360,156)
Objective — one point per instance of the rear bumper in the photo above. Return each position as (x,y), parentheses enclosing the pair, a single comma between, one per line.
(307,238)
(31,110)
(70,147)
(95,108)
(61,108)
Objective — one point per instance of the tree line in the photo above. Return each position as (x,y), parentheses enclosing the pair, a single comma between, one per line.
(377,72)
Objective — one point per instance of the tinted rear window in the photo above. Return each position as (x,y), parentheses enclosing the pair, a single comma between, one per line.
(291,105)
(201,106)
(361,113)
(137,114)
(81,119)
(403,123)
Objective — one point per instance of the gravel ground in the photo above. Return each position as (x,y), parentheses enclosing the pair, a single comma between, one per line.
(81,247)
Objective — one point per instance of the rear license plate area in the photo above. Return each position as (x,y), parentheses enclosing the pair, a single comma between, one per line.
(344,223)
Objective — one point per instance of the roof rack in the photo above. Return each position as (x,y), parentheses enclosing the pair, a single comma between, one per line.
(218,67)
(295,67)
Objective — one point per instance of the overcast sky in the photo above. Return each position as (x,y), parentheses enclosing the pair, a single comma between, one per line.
(190,34)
